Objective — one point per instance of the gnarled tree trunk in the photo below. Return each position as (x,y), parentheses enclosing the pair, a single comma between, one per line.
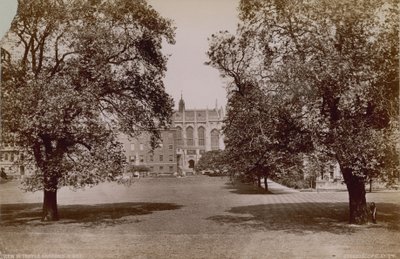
(357,201)
(50,210)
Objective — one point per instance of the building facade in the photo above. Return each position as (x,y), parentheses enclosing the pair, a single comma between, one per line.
(159,162)
(193,132)
(9,153)
(197,131)
(10,160)
(323,175)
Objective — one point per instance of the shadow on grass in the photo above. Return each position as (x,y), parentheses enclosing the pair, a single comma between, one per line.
(88,215)
(245,188)
(306,217)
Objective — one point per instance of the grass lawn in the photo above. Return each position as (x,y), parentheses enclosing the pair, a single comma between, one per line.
(194,217)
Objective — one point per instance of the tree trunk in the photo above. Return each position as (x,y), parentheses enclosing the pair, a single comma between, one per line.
(259,181)
(50,210)
(357,201)
(266,183)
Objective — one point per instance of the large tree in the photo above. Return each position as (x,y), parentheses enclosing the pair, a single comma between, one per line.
(255,143)
(261,127)
(82,72)
(337,64)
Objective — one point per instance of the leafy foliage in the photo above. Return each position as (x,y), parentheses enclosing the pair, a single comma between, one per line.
(263,134)
(80,73)
(331,69)
(211,161)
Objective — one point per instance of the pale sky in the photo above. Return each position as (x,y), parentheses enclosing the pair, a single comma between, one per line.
(8,9)
(195,20)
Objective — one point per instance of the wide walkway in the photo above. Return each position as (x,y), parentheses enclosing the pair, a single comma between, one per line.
(277,188)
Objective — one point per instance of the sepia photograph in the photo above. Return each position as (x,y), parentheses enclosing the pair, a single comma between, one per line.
(241,129)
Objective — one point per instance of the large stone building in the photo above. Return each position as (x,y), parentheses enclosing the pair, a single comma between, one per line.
(193,133)
(197,131)
(161,161)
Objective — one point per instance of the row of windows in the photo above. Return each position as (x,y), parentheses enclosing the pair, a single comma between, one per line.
(200,135)
(14,170)
(151,158)
(9,156)
(161,168)
(141,146)
(9,144)
(193,151)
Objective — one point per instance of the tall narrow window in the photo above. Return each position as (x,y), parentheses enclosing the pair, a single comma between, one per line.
(179,140)
(189,136)
(214,139)
(201,134)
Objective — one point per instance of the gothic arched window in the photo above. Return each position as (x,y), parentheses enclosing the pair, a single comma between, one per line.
(189,136)
(201,135)
(214,139)
(179,139)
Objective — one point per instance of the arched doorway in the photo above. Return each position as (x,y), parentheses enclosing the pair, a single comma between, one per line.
(191,163)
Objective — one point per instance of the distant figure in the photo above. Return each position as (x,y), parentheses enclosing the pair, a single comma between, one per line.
(372,208)
(3,174)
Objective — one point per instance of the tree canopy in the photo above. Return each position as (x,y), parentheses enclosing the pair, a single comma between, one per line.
(331,69)
(211,161)
(82,72)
